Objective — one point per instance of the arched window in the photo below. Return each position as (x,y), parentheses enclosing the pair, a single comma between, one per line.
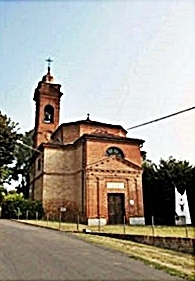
(114,151)
(48,114)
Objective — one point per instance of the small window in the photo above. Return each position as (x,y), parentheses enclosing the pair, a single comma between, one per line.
(48,114)
(114,151)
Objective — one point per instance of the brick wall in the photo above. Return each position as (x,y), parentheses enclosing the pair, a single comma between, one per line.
(95,180)
(111,170)
(94,129)
(186,245)
(68,133)
(96,150)
(62,179)
(45,95)
(38,191)
(68,183)
(36,179)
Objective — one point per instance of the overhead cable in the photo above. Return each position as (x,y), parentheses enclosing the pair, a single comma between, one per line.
(162,118)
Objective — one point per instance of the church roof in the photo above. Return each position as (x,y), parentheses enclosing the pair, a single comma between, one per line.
(112,137)
(91,122)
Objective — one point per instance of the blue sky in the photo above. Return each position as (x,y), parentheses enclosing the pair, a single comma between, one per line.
(125,62)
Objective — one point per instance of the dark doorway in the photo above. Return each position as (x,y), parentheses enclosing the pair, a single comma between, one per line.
(116,208)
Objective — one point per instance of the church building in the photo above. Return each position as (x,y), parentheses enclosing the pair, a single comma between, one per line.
(85,167)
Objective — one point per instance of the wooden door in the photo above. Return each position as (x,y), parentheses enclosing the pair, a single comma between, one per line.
(115,208)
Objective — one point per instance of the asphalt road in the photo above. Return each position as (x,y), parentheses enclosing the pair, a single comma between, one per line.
(32,253)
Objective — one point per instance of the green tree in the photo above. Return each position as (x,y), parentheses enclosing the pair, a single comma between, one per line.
(159,182)
(3,192)
(15,204)
(149,182)
(177,173)
(191,197)
(20,170)
(8,136)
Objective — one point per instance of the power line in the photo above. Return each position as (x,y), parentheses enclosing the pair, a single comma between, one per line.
(161,118)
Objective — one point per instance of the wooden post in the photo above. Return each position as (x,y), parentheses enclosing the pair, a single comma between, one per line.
(153,226)
(47,219)
(124,224)
(60,219)
(186,228)
(78,222)
(27,215)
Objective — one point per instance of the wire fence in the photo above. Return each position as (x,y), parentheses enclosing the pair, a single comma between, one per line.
(74,222)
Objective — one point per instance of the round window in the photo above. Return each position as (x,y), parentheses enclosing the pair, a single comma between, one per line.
(114,151)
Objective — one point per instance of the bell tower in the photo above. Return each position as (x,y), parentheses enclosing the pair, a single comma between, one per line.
(47,99)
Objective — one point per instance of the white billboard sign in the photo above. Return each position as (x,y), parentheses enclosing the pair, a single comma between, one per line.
(115,185)
(181,206)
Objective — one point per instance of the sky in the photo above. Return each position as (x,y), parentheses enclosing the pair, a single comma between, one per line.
(125,62)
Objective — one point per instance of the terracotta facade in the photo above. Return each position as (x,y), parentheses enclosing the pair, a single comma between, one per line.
(88,167)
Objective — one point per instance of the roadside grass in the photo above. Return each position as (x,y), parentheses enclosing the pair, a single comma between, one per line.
(171,231)
(55,225)
(175,263)
(165,231)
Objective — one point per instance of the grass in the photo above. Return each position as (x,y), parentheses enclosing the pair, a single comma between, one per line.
(171,231)
(165,231)
(173,262)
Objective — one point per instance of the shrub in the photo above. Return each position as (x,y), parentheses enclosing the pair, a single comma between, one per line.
(15,205)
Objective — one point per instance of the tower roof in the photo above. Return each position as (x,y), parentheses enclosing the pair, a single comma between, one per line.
(48,78)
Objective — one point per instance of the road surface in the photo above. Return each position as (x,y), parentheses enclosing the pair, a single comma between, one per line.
(33,253)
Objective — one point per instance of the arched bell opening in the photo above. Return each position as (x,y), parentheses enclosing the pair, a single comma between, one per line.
(48,114)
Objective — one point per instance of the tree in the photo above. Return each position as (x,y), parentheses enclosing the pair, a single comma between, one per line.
(15,205)
(3,192)
(177,173)
(191,197)
(8,136)
(14,158)
(159,182)
(20,170)
(149,182)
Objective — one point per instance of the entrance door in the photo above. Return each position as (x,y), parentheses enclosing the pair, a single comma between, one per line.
(115,208)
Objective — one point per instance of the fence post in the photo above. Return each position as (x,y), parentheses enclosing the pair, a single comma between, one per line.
(18,213)
(99,224)
(153,226)
(47,219)
(37,216)
(27,215)
(60,219)
(186,228)
(78,222)
(124,224)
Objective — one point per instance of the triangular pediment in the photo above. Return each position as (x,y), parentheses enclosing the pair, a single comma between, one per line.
(114,163)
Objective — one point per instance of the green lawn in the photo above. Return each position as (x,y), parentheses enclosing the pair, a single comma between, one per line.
(175,263)
(171,231)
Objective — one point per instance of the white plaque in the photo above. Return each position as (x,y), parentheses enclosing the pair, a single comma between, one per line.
(115,185)
(63,209)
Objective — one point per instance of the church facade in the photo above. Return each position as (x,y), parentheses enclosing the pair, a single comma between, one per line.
(85,167)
